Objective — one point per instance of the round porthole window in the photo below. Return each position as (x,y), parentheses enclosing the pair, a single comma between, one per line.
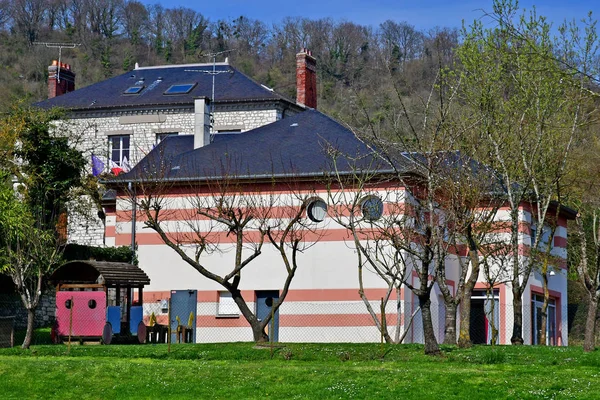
(316,210)
(68,304)
(92,304)
(371,208)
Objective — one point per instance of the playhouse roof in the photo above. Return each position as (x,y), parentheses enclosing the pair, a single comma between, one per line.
(103,272)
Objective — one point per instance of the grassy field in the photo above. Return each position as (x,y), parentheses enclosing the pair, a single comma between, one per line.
(297,371)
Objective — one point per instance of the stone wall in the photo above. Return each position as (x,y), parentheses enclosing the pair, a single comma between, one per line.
(90,132)
(11,305)
(84,226)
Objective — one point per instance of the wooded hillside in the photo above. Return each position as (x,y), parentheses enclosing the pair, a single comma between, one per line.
(354,61)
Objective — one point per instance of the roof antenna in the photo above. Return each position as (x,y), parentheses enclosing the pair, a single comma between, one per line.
(214,72)
(58,46)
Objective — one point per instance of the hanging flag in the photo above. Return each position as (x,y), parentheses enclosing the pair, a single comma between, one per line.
(114,167)
(125,165)
(97,165)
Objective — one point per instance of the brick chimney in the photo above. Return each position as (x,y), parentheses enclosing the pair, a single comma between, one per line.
(306,79)
(61,79)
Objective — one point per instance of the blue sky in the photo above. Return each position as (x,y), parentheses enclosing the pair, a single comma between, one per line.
(423,14)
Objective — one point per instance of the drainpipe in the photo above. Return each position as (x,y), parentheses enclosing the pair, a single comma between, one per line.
(133,221)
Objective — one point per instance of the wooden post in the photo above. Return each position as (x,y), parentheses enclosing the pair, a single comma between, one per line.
(169,327)
(70,324)
(118,300)
(383,325)
(128,296)
(272,333)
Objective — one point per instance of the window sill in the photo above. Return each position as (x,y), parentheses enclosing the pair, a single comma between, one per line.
(224,316)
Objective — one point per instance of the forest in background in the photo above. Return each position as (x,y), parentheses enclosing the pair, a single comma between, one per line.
(353,61)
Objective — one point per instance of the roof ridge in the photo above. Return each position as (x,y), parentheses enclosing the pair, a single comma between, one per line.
(221,63)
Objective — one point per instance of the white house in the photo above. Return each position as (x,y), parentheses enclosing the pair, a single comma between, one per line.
(273,148)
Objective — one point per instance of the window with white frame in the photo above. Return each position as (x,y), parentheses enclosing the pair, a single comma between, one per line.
(226,306)
(119,148)
(537,302)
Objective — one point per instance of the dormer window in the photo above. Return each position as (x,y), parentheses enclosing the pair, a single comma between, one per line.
(180,89)
(133,90)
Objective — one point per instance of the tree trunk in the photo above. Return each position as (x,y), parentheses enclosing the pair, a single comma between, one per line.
(431,344)
(589,343)
(258,330)
(450,324)
(464,337)
(517,336)
(495,331)
(259,333)
(544,311)
(30,326)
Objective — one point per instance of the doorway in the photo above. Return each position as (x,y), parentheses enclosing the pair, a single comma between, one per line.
(484,317)
(265,299)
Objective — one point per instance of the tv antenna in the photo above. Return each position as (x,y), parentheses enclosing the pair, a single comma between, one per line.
(214,73)
(58,46)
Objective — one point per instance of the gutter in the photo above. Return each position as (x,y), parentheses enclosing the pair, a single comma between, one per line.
(237,177)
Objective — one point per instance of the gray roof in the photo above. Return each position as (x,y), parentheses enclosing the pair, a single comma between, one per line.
(104,272)
(298,146)
(230,86)
(301,146)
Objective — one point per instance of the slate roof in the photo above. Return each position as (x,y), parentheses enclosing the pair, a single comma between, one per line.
(231,86)
(295,146)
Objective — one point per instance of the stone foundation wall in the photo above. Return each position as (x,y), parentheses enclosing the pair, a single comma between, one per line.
(11,305)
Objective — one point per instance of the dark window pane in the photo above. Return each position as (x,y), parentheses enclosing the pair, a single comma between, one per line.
(116,142)
(180,89)
(133,90)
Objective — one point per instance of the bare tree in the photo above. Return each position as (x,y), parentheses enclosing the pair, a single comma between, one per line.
(470,202)
(587,262)
(401,41)
(28,16)
(180,25)
(135,17)
(228,214)
(377,237)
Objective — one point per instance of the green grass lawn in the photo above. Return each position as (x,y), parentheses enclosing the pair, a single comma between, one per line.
(297,371)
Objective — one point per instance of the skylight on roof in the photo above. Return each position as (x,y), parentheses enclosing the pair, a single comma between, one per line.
(133,90)
(180,89)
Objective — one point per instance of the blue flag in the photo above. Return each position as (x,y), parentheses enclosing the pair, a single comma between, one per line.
(97,165)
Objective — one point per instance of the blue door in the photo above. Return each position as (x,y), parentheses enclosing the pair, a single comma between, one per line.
(183,305)
(264,302)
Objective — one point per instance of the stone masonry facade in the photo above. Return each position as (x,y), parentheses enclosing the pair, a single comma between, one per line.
(91,131)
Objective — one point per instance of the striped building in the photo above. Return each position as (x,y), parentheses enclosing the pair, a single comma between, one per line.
(206,137)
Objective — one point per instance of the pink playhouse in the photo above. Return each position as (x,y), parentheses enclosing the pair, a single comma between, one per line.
(98,300)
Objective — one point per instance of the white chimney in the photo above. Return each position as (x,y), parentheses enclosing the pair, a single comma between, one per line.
(201,122)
